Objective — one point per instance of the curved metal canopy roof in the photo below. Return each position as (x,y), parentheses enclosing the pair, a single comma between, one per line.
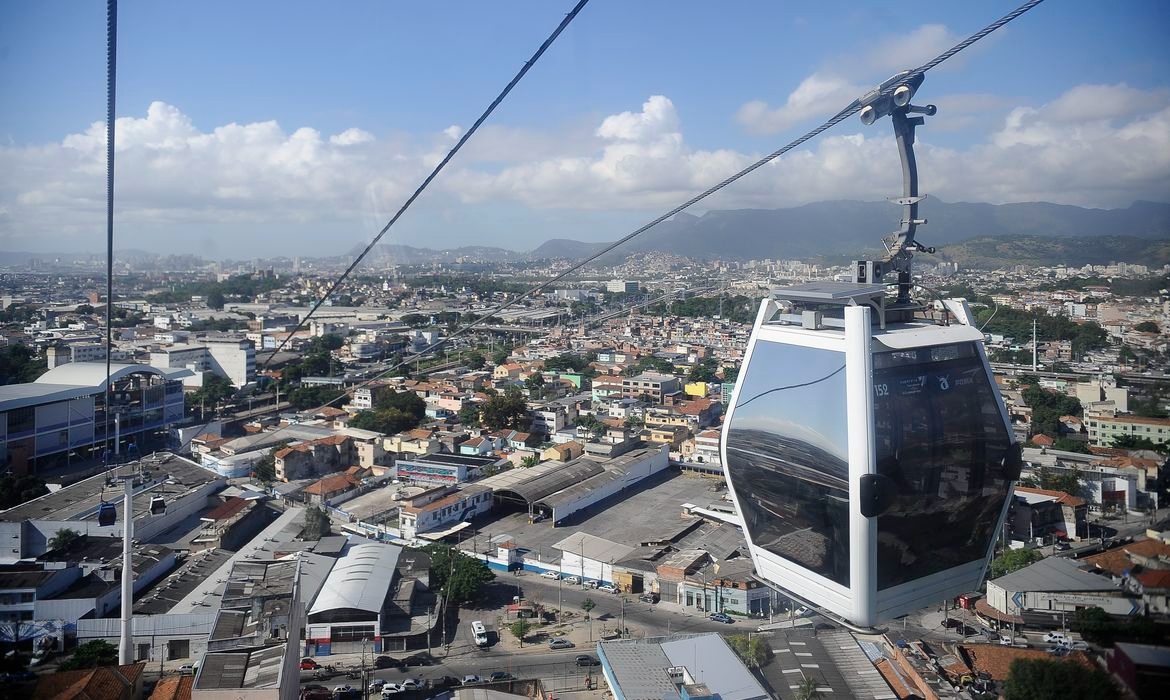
(360,580)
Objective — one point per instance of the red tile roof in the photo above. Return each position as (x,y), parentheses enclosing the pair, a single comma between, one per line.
(332,484)
(1117,560)
(109,683)
(173,688)
(1159,578)
(227,509)
(996,660)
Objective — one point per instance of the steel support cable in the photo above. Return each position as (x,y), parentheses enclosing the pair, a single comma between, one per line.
(434,173)
(111,83)
(837,118)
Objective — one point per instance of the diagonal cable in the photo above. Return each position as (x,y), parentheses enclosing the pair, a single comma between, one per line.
(434,173)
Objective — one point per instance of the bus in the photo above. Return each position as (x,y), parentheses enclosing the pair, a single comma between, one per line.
(480,632)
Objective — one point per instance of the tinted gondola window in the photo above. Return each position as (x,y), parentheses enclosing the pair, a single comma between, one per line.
(787,454)
(941,438)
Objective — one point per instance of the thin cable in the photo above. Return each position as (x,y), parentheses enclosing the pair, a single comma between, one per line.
(434,173)
(791,386)
(111,82)
(837,118)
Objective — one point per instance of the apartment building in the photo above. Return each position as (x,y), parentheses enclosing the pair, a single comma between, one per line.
(1105,428)
(230,358)
(653,384)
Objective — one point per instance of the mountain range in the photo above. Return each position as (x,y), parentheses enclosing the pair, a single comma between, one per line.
(972,234)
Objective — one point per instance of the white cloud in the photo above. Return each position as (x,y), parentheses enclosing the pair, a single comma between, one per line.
(351,137)
(818,95)
(1073,150)
(837,84)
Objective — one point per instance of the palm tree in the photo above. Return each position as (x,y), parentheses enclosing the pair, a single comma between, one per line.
(808,690)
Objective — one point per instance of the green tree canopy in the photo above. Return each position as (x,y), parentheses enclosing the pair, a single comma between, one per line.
(384,420)
(456,575)
(95,654)
(1044,679)
(520,629)
(1133,442)
(317,524)
(475,360)
(469,415)
(534,382)
(1147,327)
(588,605)
(754,651)
(1013,560)
(704,370)
(304,397)
(506,411)
(19,365)
(215,299)
(15,490)
(63,539)
(1047,408)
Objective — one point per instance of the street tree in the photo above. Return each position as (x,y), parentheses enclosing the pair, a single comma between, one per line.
(520,629)
(588,605)
(475,360)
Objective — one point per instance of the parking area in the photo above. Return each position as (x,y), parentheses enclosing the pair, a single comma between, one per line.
(652,512)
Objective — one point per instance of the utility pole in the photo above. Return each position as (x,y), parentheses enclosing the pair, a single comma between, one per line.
(126,643)
(1034,363)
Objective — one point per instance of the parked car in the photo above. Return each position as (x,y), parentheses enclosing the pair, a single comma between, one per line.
(550,574)
(383,662)
(648,598)
(721,617)
(591,584)
(411,683)
(444,682)
(344,691)
(587,660)
(500,676)
(471,679)
(967,630)
(376,685)
(1074,645)
(1059,651)
(573,580)
(559,643)
(951,623)
(608,588)
(315,692)
(419,660)
(1063,546)
(187,670)
(308,664)
(389,689)
(1054,637)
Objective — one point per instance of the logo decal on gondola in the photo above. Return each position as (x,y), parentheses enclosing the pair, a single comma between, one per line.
(944,382)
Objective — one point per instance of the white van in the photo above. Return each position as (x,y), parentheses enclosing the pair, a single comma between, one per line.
(480,632)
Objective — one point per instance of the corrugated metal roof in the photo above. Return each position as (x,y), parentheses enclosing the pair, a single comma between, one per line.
(1053,574)
(359,580)
(548,483)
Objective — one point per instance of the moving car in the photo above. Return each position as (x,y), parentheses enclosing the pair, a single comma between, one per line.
(721,617)
(308,664)
(501,676)
(1054,637)
(479,631)
(1074,645)
(587,660)
(418,660)
(648,598)
(471,679)
(187,670)
(550,574)
(559,643)
(608,588)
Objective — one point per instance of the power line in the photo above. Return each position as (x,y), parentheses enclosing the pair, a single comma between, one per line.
(434,173)
(837,118)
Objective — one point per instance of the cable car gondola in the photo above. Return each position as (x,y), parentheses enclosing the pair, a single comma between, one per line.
(158,506)
(107,514)
(866,446)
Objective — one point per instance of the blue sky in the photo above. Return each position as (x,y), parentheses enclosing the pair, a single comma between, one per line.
(262,127)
